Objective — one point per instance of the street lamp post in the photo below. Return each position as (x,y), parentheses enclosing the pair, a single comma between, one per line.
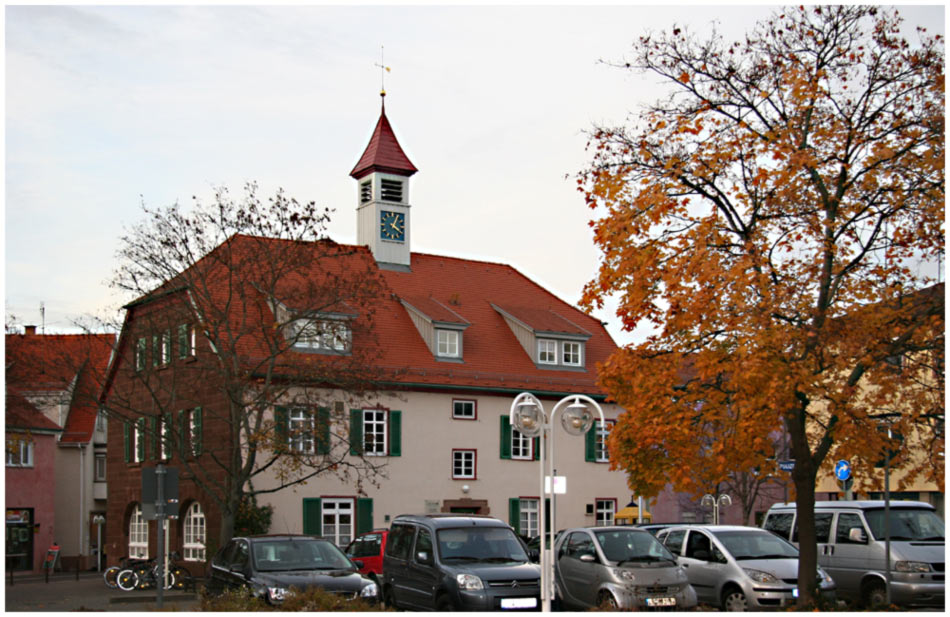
(716,502)
(528,417)
(887,418)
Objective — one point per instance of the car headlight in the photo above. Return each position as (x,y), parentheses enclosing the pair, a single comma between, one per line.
(624,574)
(759,576)
(911,566)
(469,582)
(370,591)
(277,594)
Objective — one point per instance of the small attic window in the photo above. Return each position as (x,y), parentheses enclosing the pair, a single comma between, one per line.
(391,190)
(366,191)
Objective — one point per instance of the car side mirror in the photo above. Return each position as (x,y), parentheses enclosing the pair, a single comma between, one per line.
(424,557)
(587,558)
(856,534)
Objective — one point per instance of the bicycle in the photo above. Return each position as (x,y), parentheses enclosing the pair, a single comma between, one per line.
(145,575)
(111,574)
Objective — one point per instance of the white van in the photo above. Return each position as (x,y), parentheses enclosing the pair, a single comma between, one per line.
(850,539)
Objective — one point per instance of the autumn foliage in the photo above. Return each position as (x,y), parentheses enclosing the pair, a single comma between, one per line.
(777,220)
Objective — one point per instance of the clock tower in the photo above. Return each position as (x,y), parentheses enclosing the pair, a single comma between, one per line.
(382,214)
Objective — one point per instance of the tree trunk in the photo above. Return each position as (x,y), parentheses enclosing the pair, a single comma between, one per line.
(804,475)
(227,526)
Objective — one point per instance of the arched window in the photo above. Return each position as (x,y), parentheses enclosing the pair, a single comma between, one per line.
(194,533)
(138,534)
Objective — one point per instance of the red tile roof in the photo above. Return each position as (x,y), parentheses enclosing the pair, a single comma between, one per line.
(543,320)
(434,310)
(21,414)
(383,153)
(53,362)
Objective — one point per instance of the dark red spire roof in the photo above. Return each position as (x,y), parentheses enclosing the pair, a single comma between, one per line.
(383,153)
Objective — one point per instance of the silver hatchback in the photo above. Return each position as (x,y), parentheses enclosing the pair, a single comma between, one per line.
(618,568)
(740,568)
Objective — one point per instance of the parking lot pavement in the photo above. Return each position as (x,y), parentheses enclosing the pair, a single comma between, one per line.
(64,593)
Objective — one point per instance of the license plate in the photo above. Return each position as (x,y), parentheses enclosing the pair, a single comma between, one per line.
(519,602)
(661,601)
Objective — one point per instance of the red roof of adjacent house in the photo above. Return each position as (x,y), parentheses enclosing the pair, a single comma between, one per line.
(53,363)
(21,414)
(383,153)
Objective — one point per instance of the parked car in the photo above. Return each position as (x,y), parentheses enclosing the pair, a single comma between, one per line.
(450,562)
(851,548)
(655,528)
(368,549)
(740,568)
(271,565)
(619,567)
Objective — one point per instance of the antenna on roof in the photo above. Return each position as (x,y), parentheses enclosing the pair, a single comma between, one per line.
(42,318)
(383,69)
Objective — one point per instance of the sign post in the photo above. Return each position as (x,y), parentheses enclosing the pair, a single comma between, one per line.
(159,502)
(843,473)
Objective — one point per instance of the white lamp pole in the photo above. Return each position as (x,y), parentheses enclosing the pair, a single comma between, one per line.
(528,417)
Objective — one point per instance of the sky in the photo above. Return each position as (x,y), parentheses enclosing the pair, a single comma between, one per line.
(109,107)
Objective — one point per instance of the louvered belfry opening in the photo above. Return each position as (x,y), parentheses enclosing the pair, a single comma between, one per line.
(391,190)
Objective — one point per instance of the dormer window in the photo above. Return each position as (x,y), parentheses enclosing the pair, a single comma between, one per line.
(547,351)
(323,335)
(447,343)
(391,190)
(571,353)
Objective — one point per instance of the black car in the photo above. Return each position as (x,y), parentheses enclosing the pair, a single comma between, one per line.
(457,562)
(271,565)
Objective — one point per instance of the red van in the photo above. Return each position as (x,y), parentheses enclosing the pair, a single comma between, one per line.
(368,548)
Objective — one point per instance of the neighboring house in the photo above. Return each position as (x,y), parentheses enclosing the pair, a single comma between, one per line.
(60,376)
(30,480)
(456,340)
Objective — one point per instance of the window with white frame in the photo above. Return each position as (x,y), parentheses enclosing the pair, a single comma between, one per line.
(138,535)
(522,447)
(547,351)
(138,440)
(463,464)
(166,347)
(100,470)
(141,354)
(601,455)
(101,421)
(337,520)
(165,441)
(375,434)
(194,534)
(186,341)
(323,335)
(606,508)
(300,433)
(447,343)
(571,353)
(528,518)
(463,410)
(19,451)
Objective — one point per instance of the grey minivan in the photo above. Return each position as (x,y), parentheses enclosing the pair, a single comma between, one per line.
(740,568)
(449,562)
(851,548)
(618,568)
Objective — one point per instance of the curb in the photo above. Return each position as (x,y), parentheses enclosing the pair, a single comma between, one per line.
(178,597)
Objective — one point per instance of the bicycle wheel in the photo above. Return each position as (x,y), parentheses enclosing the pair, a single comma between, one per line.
(145,577)
(110,575)
(180,577)
(170,579)
(127,579)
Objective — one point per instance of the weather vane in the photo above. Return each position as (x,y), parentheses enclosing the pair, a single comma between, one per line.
(383,69)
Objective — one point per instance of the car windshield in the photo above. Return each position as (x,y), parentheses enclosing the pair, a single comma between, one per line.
(489,544)
(298,554)
(623,545)
(906,524)
(755,544)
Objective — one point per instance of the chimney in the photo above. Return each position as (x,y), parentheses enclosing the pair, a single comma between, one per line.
(29,330)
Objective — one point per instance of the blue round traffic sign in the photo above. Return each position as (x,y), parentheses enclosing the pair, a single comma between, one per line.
(842,470)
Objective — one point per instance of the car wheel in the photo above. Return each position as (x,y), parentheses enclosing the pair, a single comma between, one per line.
(607,602)
(443,604)
(734,600)
(874,596)
(388,599)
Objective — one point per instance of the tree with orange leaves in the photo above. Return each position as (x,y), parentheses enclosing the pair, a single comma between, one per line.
(774,220)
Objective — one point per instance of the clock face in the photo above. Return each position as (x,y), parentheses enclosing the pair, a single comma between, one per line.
(392,226)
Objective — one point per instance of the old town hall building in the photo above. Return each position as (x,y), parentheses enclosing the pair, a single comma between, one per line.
(453,341)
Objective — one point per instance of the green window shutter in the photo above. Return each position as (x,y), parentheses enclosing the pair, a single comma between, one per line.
(356,432)
(154,430)
(281,428)
(590,444)
(197,420)
(311,516)
(514,513)
(182,434)
(322,431)
(395,433)
(364,515)
(127,440)
(505,437)
(537,448)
